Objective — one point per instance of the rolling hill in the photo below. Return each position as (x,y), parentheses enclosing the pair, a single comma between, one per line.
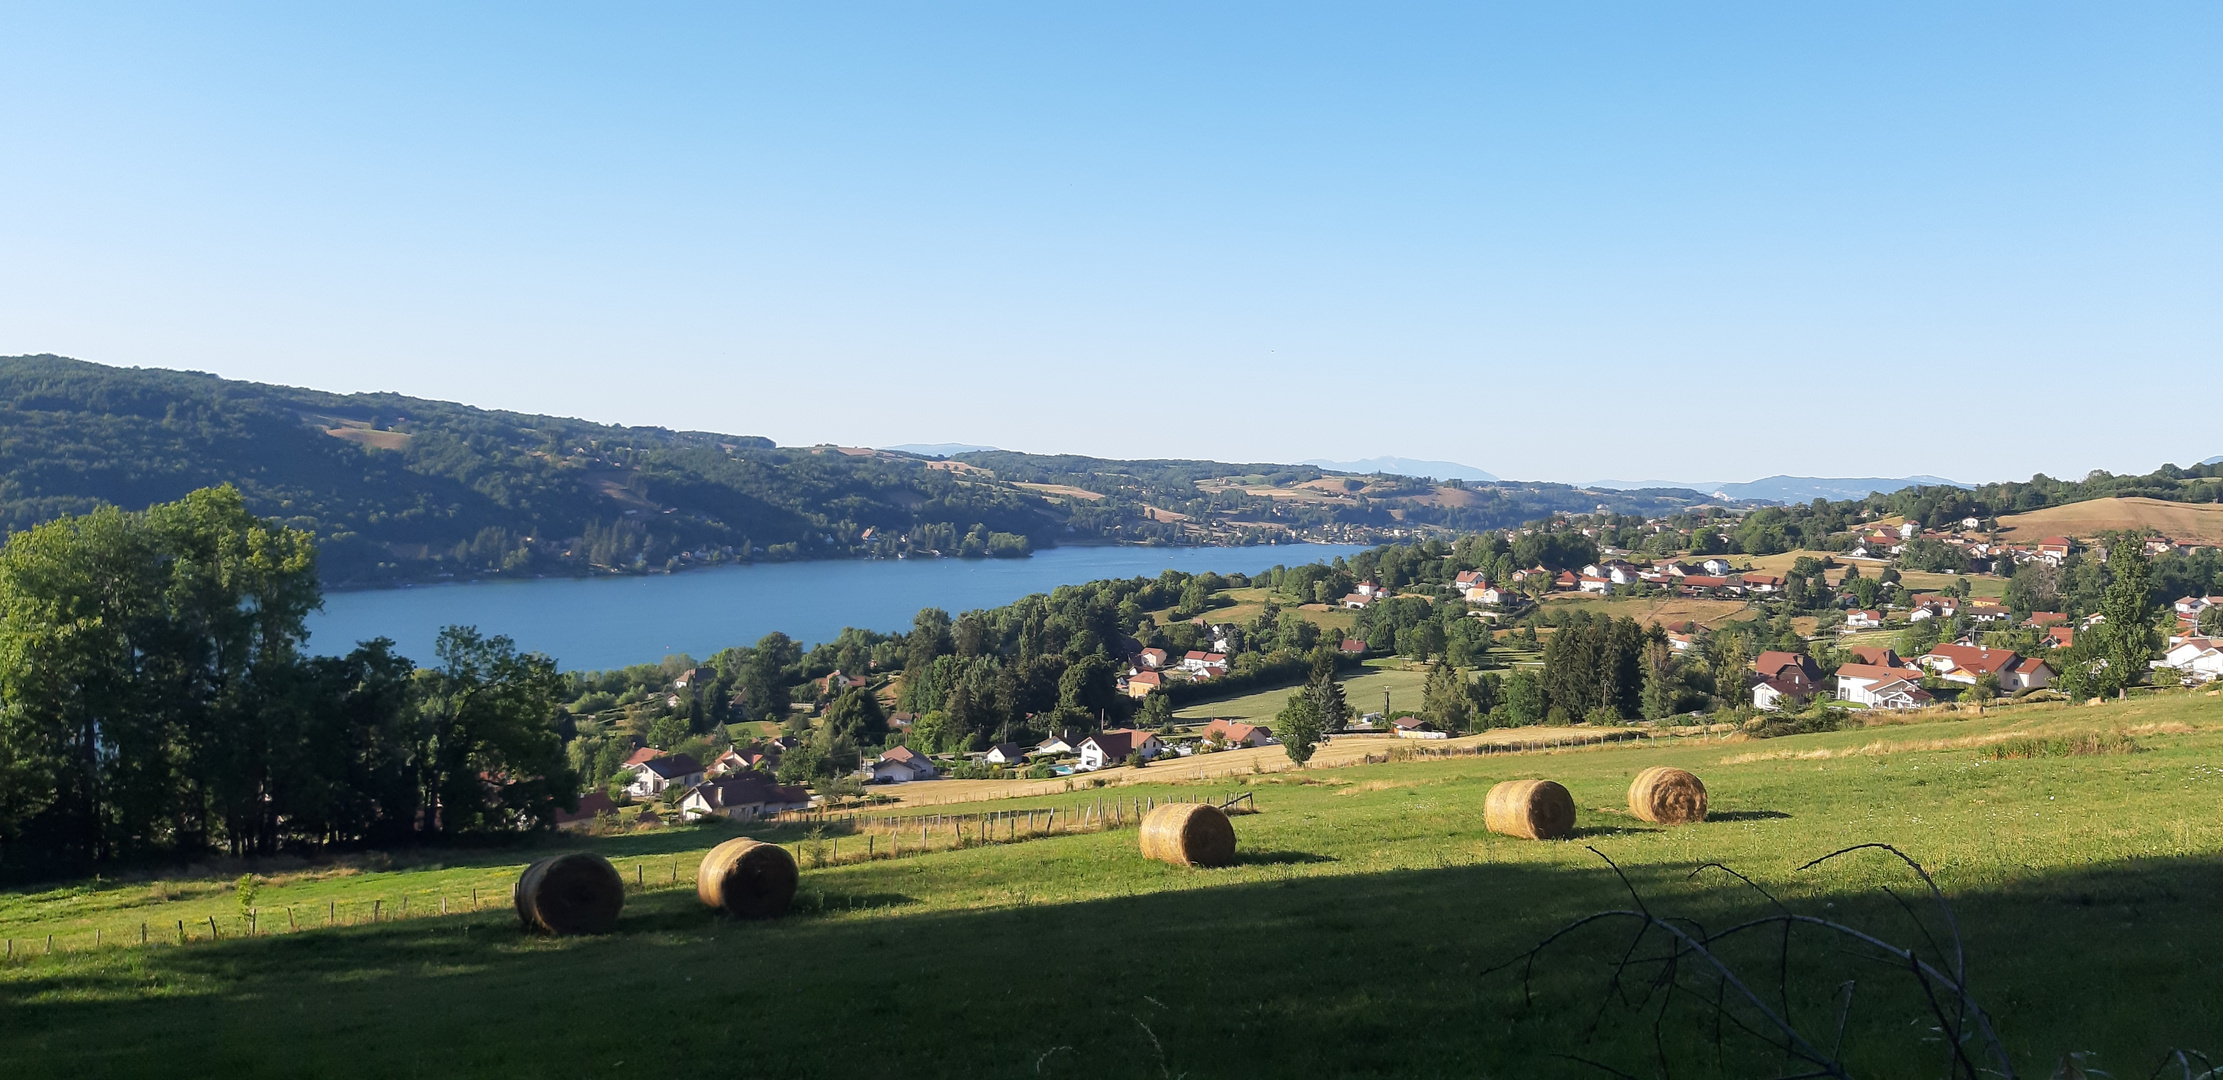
(399,488)
(2181,521)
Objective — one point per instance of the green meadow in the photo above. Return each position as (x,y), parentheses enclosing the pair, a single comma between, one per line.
(1362,932)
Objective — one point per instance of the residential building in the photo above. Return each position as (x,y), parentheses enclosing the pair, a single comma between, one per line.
(2199,659)
(742,798)
(1009,753)
(901,765)
(592,806)
(1881,687)
(1234,733)
(1112,747)
(1863,619)
(1968,663)
(1141,683)
(651,777)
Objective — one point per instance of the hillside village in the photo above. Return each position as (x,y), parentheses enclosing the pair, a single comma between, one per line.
(1885,615)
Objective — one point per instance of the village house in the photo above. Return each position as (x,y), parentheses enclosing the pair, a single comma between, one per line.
(1863,619)
(1934,606)
(1152,659)
(1352,646)
(1413,727)
(2039,620)
(1051,747)
(901,765)
(651,777)
(2060,637)
(1141,683)
(693,677)
(1763,583)
(1783,676)
(1204,665)
(1007,753)
(742,798)
(1968,663)
(1589,584)
(1112,748)
(2054,549)
(640,756)
(1236,733)
(1988,611)
(592,806)
(2199,659)
(837,682)
(1881,687)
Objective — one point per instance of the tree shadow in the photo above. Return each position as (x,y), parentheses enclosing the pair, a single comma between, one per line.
(1335,973)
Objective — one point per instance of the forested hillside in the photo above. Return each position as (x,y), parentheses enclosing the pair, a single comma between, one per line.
(398,488)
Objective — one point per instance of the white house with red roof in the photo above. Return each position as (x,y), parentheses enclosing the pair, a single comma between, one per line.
(1863,619)
(1968,663)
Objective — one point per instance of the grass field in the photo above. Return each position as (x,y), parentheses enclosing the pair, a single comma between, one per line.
(2181,521)
(1363,692)
(1667,609)
(1249,603)
(1359,934)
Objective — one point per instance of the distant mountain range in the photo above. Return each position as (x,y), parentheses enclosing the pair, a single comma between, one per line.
(939,449)
(2216,460)
(1789,489)
(1398,466)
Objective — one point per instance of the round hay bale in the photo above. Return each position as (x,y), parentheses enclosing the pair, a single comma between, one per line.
(1188,834)
(747,879)
(1529,809)
(578,893)
(1668,796)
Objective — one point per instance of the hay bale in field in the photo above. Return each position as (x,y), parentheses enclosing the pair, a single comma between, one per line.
(747,879)
(1668,796)
(1188,834)
(578,893)
(1529,809)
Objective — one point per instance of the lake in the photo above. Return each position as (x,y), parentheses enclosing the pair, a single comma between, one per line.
(606,622)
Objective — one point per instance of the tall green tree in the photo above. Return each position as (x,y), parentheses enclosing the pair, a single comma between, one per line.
(488,757)
(2125,637)
(1298,727)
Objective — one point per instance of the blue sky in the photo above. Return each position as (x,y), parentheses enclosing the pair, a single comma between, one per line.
(1553,241)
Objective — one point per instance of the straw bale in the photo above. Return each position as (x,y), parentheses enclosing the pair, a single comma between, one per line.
(747,879)
(1529,809)
(1668,796)
(576,893)
(1188,834)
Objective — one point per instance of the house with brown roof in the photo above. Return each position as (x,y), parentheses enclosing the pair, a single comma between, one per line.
(1352,646)
(1141,683)
(1881,687)
(1235,733)
(1863,619)
(1968,663)
(901,765)
(1152,659)
(1112,747)
(592,806)
(742,798)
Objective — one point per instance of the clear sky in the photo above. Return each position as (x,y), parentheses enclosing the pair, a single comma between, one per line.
(1556,241)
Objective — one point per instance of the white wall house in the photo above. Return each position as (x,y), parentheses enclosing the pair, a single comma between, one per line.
(1112,748)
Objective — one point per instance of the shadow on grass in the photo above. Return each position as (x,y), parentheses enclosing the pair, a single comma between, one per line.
(1746,815)
(1327,975)
(1280,858)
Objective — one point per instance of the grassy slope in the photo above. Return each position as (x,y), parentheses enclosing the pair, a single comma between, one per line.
(1352,939)
(1363,692)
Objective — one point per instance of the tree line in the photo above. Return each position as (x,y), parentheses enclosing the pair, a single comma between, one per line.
(156,700)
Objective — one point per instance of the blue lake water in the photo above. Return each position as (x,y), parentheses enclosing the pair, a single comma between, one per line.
(594,623)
